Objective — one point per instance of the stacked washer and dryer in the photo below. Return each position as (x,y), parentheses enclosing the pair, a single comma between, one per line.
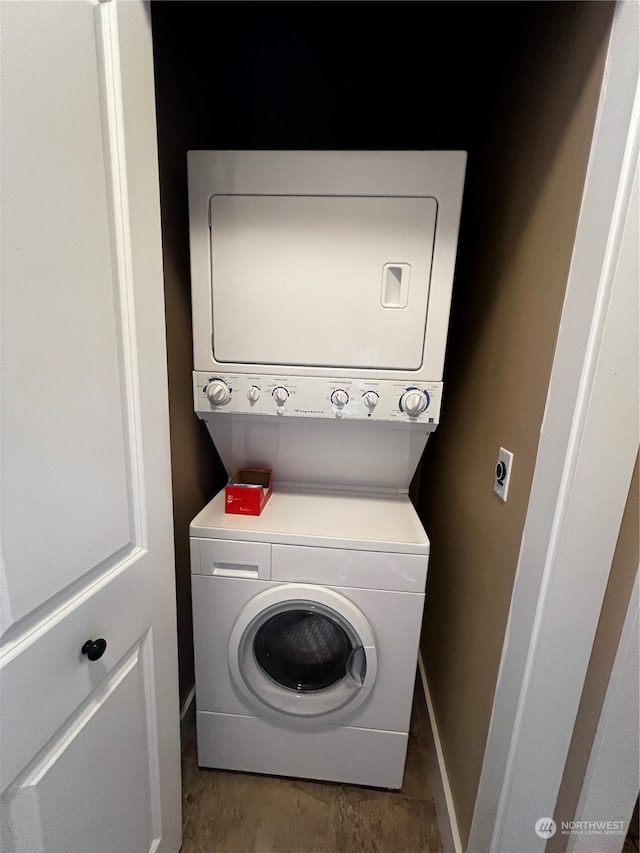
(321,287)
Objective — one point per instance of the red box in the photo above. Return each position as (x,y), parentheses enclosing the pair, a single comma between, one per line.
(248,491)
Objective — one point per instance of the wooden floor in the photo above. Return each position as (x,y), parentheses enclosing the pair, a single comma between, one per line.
(225,812)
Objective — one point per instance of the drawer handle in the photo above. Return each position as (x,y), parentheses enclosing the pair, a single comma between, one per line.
(94,649)
(236,570)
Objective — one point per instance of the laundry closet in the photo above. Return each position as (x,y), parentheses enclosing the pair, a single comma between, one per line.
(514,85)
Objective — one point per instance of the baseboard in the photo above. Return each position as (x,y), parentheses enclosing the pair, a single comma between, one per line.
(188,718)
(439,779)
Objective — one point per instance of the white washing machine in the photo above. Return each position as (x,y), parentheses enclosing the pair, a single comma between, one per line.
(321,288)
(306,625)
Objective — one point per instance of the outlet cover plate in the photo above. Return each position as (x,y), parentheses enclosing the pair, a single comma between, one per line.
(502,473)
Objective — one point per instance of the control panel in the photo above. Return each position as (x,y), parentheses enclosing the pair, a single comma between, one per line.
(317,397)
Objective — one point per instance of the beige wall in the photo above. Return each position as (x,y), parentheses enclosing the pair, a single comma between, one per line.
(197,473)
(605,646)
(196,470)
(519,222)
(236,75)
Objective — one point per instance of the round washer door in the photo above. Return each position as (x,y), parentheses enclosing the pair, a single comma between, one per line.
(303,651)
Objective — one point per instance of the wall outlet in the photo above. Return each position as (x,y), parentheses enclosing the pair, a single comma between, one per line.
(502,473)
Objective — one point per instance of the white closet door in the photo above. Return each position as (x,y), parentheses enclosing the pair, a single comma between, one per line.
(89,753)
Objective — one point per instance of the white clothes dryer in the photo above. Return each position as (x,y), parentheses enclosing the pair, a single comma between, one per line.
(306,624)
(321,288)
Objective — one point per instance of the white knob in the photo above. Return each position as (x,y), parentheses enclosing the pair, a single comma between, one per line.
(339,398)
(371,399)
(280,395)
(218,392)
(414,402)
(253,393)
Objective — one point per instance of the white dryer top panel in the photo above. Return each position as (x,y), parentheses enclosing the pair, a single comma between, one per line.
(323,263)
(321,281)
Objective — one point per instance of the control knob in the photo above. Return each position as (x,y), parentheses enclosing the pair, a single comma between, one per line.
(253,393)
(218,392)
(340,398)
(414,402)
(280,395)
(371,399)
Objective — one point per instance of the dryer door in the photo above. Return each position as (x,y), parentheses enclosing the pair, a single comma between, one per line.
(303,651)
(321,281)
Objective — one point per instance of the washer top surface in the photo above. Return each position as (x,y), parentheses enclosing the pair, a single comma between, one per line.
(353,520)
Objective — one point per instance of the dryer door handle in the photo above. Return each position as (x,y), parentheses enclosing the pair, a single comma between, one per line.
(357,665)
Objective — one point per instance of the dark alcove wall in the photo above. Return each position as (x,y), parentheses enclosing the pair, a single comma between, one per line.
(300,75)
(516,86)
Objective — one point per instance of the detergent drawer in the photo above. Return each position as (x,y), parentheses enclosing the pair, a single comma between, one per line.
(230,558)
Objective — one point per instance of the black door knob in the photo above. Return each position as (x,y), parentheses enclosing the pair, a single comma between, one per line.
(94,649)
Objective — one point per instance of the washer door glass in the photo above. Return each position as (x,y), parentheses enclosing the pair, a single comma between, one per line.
(303,650)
